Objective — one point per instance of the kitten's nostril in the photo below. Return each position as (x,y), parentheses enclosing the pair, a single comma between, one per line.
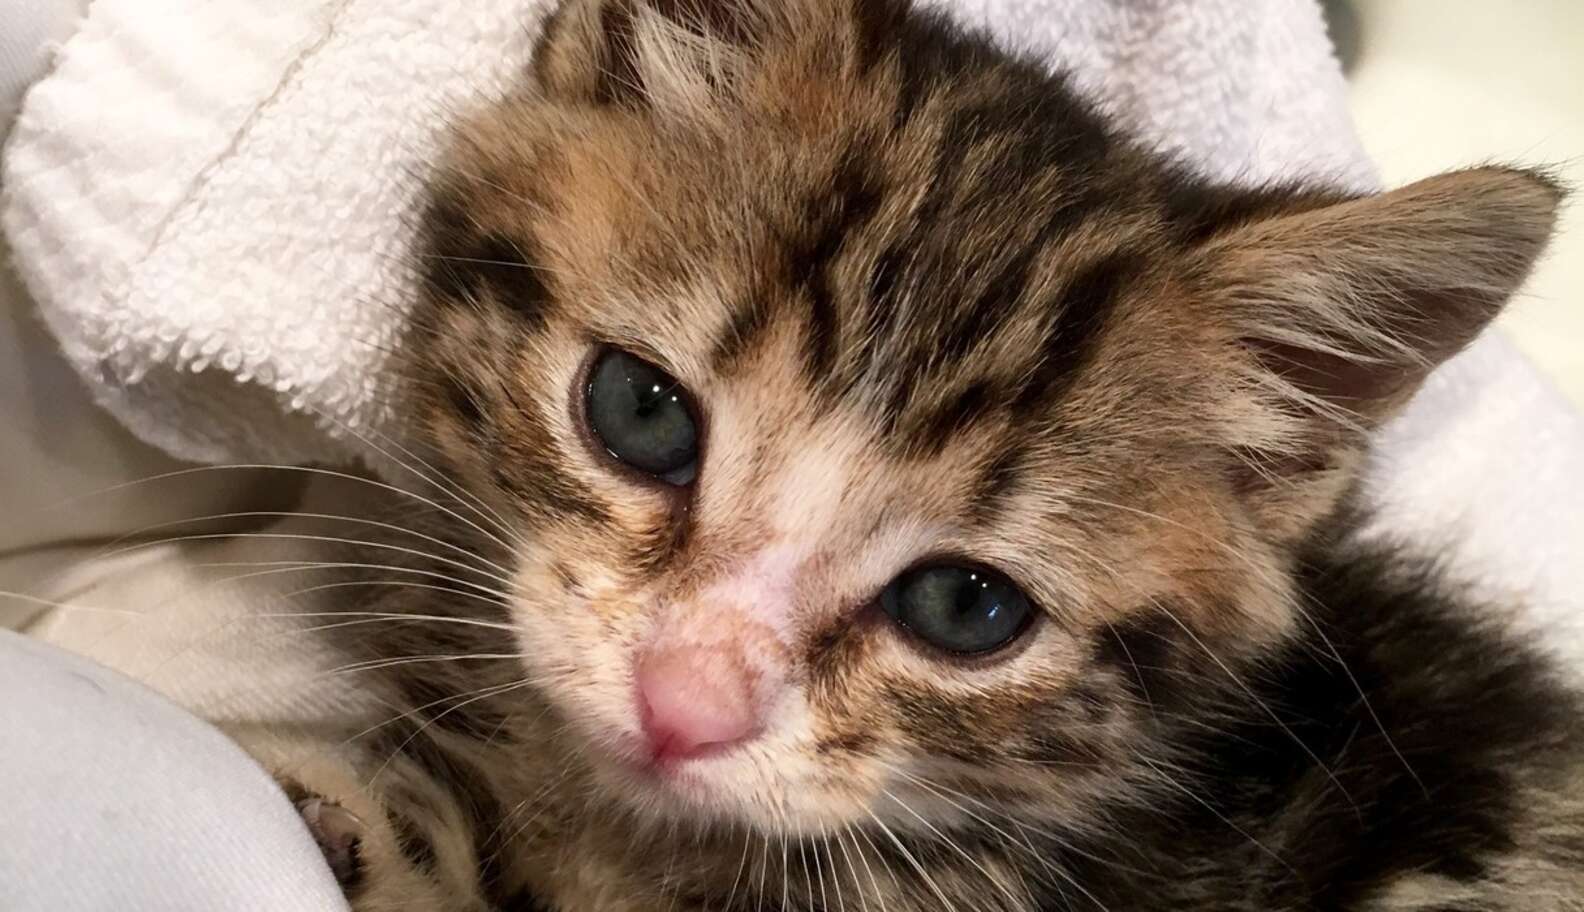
(694,701)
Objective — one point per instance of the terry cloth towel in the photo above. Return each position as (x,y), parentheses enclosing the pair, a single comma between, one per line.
(212,204)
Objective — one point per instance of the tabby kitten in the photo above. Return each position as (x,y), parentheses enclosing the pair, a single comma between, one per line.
(903,491)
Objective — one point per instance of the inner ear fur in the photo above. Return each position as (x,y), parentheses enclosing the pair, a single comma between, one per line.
(640,53)
(1351,305)
(1336,313)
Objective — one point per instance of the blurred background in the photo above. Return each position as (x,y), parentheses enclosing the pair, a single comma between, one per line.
(1438,84)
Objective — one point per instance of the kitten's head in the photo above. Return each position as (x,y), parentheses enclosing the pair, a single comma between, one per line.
(880,426)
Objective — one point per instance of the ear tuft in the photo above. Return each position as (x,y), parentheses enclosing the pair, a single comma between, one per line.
(645,53)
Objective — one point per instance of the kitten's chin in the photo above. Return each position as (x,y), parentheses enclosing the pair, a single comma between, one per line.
(731,790)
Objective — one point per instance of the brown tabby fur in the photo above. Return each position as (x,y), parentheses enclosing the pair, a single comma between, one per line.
(929,302)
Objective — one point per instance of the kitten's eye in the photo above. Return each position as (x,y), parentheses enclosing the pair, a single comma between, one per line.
(643,417)
(965,610)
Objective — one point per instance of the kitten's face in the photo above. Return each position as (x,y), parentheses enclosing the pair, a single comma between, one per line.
(928,320)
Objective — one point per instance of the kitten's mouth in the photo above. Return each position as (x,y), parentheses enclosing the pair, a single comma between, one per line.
(688,777)
(732,788)
(698,785)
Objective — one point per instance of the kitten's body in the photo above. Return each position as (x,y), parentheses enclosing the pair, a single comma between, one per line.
(931,304)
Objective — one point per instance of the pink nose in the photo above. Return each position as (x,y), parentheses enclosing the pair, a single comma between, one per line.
(694,701)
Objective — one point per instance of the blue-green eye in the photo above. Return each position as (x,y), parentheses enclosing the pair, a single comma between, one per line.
(643,417)
(966,610)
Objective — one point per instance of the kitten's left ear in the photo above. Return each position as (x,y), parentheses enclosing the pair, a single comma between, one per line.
(1353,304)
(651,53)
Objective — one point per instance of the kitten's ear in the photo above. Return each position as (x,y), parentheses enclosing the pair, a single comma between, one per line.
(1340,311)
(1353,304)
(639,53)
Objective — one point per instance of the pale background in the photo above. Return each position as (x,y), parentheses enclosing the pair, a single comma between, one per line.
(1438,84)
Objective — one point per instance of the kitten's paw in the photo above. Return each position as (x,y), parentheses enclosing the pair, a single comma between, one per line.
(339,833)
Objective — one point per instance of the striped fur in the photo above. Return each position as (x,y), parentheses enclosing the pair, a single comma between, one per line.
(930,302)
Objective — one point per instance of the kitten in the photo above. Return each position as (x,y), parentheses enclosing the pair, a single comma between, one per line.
(882,485)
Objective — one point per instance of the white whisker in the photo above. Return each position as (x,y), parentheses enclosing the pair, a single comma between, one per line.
(138,534)
(399,584)
(913,862)
(290,566)
(306,470)
(947,840)
(434,478)
(380,664)
(322,539)
(1249,692)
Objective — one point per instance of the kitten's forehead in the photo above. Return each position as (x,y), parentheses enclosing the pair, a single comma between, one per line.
(924,288)
(949,232)
(960,283)
(909,292)
(816,481)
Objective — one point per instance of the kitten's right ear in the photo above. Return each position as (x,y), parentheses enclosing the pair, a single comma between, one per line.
(1339,312)
(633,53)
(1353,304)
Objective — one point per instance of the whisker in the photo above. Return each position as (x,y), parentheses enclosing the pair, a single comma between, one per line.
(742,864)
(302,536)
(764,867)
(880,857)
(477,695)
(372,617)
(539,802)
(1265,707)
(928,880)
(434,477)
(941,791)
(830,858)
(1225,668)
(290,566)
(533,267)
(401,584)
(393,662)
(1365,700)
(808,881)
(65,606)
(307,470)
(1138,673)
(1193,796)
(296,514)
(786,875)
(841,841)
(952,843)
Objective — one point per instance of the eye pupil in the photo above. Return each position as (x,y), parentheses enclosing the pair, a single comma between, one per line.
(958,609)
(642,417)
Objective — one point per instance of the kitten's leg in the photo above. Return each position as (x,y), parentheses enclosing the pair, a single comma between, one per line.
(394,838)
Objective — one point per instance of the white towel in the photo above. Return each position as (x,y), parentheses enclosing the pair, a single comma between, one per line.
(211,201)
(212,204)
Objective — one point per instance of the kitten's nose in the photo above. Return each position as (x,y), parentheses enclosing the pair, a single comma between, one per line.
(695,701)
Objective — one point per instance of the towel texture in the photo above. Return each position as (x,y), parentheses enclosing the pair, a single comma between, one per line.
(212,204)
